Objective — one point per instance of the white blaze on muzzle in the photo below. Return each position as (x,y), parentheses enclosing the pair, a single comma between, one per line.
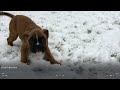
(37,39)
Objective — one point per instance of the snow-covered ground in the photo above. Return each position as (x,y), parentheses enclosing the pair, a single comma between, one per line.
(87,43)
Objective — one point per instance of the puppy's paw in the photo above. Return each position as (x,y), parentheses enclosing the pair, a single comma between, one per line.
(26,62)
(55,62)
(9,42)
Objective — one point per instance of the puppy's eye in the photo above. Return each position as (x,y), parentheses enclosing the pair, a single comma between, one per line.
(43,41)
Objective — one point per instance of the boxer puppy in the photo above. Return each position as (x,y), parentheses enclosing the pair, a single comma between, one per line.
(34,38)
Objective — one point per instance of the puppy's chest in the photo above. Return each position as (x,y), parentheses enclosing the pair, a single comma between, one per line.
(34,56)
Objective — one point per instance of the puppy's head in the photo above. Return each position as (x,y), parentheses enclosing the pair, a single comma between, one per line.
(38,40)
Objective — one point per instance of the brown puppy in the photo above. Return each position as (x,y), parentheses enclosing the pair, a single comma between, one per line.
(34,38)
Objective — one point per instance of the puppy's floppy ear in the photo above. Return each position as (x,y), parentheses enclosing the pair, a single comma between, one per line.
(25,35)
(46,32)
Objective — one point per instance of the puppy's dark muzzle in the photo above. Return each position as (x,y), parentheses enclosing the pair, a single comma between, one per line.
(40,48)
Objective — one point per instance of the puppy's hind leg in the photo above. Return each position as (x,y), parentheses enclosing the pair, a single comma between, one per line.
(12,37)
(13,33)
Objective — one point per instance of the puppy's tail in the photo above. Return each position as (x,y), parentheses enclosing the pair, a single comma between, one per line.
(6,14)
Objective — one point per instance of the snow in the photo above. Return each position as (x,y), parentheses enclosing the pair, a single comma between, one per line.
(87,43)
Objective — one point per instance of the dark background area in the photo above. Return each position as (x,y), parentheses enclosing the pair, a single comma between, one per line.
(59,5)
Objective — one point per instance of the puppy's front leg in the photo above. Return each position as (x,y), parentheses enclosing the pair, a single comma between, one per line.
(49,57)
(24,53)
